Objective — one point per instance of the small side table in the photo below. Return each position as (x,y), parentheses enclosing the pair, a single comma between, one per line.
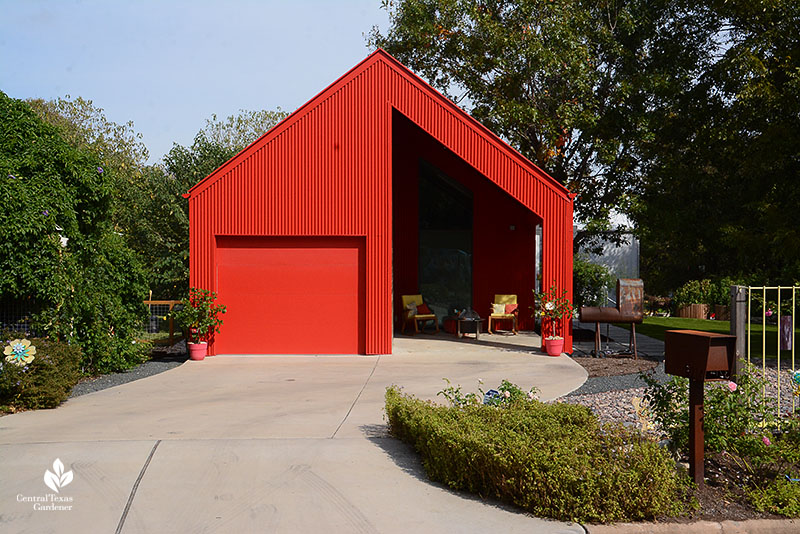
(461,332)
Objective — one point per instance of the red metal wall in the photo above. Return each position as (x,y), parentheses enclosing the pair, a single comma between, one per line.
(327,170)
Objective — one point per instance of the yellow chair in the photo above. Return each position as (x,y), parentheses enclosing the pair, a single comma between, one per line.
(410,314)
(503,300)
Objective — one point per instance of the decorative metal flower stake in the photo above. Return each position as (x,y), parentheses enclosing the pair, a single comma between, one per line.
(20,352)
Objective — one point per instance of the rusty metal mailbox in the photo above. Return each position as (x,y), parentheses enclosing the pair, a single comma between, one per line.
(699,355)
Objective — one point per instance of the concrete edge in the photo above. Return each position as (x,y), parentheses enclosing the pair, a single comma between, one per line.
(751,526)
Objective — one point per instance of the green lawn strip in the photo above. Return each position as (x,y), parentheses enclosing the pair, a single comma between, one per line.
(656,326)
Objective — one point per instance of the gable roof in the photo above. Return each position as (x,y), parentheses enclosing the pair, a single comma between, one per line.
(380,56)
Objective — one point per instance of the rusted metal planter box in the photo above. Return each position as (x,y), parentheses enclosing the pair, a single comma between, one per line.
(694,311)
(699,355)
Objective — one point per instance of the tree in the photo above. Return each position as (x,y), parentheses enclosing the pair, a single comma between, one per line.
(569,83)
(724,163)
(58,246)
(142,202)
(147,208)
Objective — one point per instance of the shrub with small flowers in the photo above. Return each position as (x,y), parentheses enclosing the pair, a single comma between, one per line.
(64,252)
(749,449)
(505,395)
(200,314)
(551,306)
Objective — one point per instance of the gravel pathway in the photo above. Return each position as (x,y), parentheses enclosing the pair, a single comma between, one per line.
(611,397)
(602,384)
(164,361)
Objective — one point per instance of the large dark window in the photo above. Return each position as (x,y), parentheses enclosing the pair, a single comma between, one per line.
(445,241)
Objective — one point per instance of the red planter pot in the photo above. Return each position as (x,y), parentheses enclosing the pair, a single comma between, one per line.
(197,351)
(554,347)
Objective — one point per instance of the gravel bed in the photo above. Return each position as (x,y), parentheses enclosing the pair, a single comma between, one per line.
(601,384)
(615,404)
(162,361)
(610,406)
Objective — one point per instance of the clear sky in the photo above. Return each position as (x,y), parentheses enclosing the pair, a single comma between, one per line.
(168,65)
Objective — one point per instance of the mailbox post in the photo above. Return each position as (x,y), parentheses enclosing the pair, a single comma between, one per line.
(698,356)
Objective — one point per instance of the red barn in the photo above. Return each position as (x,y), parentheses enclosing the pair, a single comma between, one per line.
(377,187)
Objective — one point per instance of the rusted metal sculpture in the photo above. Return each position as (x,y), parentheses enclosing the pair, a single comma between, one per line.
(629,309)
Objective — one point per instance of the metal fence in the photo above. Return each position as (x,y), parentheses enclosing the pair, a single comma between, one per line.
(159,317)
(16,314)
(770,328)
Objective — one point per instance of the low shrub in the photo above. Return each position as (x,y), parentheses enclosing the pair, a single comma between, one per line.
(554,461)
(781,497)
(737,415)
(45,382)
(707,291)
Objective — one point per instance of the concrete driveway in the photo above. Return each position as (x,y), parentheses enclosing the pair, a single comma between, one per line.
(261,444)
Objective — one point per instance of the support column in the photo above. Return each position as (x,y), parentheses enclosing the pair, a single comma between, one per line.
(739,326)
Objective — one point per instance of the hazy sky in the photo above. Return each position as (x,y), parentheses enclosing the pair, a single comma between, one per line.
(168,65)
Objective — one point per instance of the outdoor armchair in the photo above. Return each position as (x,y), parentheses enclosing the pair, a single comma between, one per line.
(504,308)
(415,311)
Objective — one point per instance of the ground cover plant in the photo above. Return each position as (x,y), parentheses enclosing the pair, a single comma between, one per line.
(752,455)
(553,460)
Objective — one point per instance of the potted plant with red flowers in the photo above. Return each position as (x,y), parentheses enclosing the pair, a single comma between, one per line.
(551,306)
(201,316)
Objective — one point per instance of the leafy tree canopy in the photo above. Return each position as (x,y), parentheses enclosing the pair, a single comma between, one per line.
(723,167)
(217,142)
(147,208)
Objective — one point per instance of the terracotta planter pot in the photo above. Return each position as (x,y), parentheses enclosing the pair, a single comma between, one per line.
(694,311)
(197,351)
(554,347)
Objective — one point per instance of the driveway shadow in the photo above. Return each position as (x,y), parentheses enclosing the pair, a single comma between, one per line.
(489,341)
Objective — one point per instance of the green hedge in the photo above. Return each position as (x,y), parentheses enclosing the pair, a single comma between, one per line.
(45,382)
(554,461)
(707,291)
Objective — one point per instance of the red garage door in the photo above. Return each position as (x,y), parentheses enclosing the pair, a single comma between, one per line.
(291,295)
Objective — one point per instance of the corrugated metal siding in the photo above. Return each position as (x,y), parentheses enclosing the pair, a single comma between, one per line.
(326,170)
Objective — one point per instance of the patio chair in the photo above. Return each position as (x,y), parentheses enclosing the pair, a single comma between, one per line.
(504,308)
(416,311)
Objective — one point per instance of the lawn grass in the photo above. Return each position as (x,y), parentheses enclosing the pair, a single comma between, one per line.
(656,326)
(156,338)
